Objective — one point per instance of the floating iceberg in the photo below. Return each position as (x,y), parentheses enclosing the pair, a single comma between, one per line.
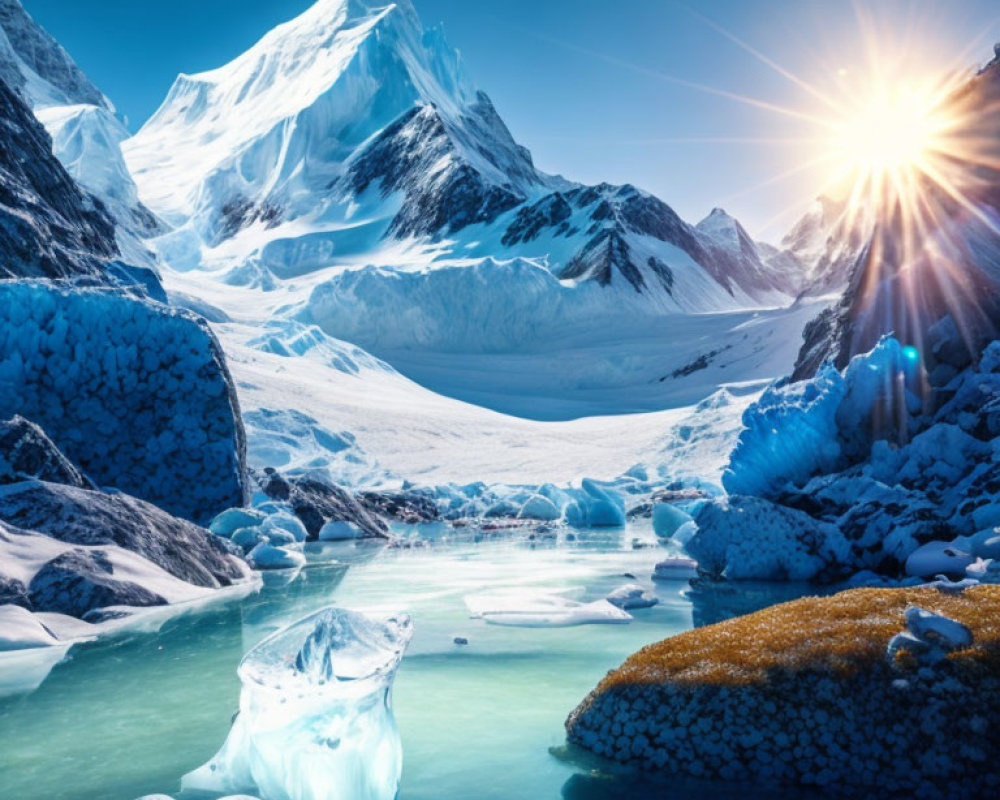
(315,719)
(525,608)
(632,596)
(676,569)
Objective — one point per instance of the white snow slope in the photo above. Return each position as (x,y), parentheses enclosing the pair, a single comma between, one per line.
(343,181)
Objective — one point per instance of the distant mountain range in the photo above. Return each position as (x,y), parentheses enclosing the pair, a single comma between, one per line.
(351,136)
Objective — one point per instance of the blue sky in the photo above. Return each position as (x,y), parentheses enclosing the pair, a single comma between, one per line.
(598,90)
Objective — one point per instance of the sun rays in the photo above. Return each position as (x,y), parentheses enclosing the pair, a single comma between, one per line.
(908,140)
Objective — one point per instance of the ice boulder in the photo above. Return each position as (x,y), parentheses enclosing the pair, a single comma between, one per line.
(337,530)
(667,519)
(938,628)
(928,638)
(595,505)
(540,507)
(232,519)
(283,521)
(315,719)
(938,558)
(632,596)
(134,393)
(267,556)
(749,538)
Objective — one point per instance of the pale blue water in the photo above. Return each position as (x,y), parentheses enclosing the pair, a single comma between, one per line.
(131,715)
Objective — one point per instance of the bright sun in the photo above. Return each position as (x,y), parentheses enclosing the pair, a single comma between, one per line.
(891,131)
(889,140)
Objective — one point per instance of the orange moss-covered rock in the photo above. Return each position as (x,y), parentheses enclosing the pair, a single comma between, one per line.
(841,634)
(804,693)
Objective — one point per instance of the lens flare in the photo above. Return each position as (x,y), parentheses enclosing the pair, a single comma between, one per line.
(894,132)
(909,132)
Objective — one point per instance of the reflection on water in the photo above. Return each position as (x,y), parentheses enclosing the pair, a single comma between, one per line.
(717,601)
(131,715)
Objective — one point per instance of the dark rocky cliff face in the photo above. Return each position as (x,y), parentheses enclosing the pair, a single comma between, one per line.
(40,52)
(49,227)
(403,158)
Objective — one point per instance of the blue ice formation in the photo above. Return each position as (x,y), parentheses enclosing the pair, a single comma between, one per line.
(824,424)
(668,519)
(595,505)
(592,504)
(878,469)
(315,719)
(135,393)
(754,539)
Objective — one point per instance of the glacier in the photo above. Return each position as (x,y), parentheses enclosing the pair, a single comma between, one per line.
(315,719)
(853,472)
(334,178)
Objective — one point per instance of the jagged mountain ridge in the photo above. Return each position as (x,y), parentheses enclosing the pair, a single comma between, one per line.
(353,122)
(48,227)
(34,64)
(278,124)
(86,134)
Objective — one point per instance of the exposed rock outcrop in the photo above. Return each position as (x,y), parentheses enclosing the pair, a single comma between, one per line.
(316,504)
(81,517)
(26,453)
(79,581)
(49,228)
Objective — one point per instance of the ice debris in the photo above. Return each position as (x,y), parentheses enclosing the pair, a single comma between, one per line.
(632,596)
(928,637)
(541,609)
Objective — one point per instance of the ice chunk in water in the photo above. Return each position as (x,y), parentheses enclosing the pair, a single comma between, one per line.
(315,719)
(526,608)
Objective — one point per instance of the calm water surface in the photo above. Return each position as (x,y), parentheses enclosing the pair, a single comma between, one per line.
(131,715)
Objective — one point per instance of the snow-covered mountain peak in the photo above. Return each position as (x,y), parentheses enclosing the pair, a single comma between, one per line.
(272,130)
(86,134)
(720,226)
